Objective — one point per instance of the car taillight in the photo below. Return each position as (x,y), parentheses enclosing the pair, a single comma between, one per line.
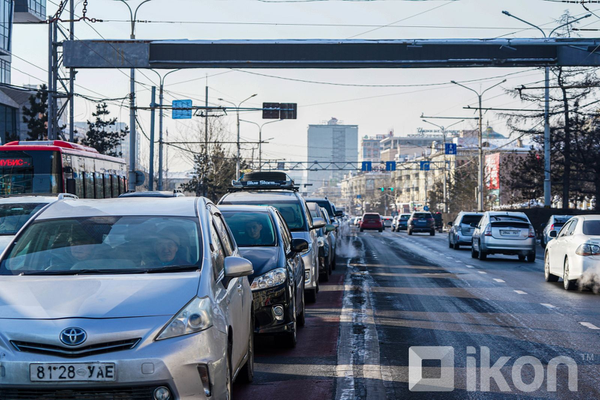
(552,227)
(488,230)
(588,249)
(531,232)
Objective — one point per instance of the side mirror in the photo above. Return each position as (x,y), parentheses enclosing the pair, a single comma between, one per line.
(299,245)
(553,234)
(329,228)
(339,213)
(318,223)
(237,266)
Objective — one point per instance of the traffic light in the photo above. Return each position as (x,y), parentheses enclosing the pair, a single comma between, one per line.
(382,189)
(391,189)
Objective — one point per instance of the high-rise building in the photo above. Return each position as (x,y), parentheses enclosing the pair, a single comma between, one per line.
(330,143)
(12,100)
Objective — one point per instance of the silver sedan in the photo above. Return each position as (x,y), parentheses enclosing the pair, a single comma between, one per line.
(131,298)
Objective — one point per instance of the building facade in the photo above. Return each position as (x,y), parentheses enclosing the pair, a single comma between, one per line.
(331,142)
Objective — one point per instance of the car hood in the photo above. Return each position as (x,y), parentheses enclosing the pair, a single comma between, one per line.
(263,259)
(56,297)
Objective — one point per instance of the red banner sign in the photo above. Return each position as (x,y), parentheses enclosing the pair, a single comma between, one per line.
(14,162)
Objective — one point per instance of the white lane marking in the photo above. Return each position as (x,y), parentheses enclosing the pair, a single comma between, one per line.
(499,280)
(469,266)
(449,258)
(482,272)
(589,325)
(458,261)
(548,305)
(520,292)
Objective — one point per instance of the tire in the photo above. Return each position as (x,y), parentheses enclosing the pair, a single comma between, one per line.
(381,230)
(450,245)
(361,229)
(409,232)
(548,277)
(568,284)
(482,255)
(474,253)
(521,257)
(311,295)
(432,233)
(456,246)
(531,257)
(246,374)
(290,339)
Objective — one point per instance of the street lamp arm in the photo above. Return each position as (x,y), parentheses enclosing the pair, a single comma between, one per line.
(491,87)
(466,87)
(525,22)
(569,23)
(138,7)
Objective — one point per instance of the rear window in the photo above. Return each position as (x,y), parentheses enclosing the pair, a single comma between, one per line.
(371,217)
(508,218)
(470,219)
(422,215)
(14,216)
(591,228)
(404,216)
(561,220)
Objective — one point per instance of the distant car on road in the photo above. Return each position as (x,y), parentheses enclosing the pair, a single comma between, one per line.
(461,229)
(387,221)
(574,251)
(400,222)
(371,221)
(504,232)
(356,221)
(421,221)
(555,223)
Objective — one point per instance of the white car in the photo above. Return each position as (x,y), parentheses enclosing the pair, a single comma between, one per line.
(142,298)
(15,211)
(574,254)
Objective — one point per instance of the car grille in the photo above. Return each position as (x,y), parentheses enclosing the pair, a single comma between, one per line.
(88,393)
(108,347)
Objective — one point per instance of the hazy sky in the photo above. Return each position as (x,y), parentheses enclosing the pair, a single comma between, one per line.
(394,103)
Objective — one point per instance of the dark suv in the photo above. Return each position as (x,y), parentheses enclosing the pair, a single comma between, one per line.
(277,189)
(421,221)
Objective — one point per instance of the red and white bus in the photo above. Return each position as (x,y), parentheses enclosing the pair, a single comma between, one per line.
(56,166)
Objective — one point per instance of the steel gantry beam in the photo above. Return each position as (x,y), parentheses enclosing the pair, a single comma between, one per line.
(276,165)
(332,54)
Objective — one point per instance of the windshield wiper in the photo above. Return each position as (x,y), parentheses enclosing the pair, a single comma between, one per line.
(171,268)
(103,271)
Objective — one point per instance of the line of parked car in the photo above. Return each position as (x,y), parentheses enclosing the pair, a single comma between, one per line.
(155,295)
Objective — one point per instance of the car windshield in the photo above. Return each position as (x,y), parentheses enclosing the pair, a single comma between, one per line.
(251,229)
(591,228)
(405,216)
(507,218)
(561,220)
(470,219)
(422,215)
(105,245)
(14,216)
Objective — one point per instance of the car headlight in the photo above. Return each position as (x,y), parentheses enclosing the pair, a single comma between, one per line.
(588,249)
(196,316)
(270,279)
(320,241)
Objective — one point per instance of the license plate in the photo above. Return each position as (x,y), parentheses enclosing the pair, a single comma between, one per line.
(509,233)
(73,372)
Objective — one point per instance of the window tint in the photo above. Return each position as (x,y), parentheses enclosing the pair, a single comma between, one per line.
(422,215)
(470,219)
(572,226)
(217,254)
(565,229)
(223,234)
(14,216)
(251,229)
(591,227)
(285,233)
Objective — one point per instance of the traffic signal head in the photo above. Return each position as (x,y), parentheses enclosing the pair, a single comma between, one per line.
(382,189)
(391,189)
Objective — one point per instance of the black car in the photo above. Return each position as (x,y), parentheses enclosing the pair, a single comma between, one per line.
(277,283)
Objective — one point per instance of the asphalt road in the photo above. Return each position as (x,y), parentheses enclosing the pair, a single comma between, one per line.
(505,332)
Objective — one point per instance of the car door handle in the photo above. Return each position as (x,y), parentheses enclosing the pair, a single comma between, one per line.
(240,288)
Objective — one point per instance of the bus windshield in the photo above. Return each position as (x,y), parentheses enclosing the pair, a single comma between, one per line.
(25,172)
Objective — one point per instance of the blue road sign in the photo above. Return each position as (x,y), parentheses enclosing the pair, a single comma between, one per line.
(424,165)
(367,166)
(390,165)
(451,148)
(358,196)
(426,208)
(182,109)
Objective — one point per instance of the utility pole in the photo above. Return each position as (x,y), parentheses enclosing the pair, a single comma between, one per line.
(480,204)
(260,141)
(547,139)
(152,119)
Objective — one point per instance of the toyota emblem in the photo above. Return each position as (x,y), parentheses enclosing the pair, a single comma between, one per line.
(73,336)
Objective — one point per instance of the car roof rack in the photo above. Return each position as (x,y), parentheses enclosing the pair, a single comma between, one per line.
(268,180)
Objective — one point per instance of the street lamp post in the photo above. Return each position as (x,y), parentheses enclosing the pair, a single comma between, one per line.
(443,129)
(260,126)
(547,183)
(237,110)
(480,166)
(161,80)
(132,141)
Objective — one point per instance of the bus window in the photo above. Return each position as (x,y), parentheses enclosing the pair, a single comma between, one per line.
(89,185)
(99,180)
(115,185)
(107,191)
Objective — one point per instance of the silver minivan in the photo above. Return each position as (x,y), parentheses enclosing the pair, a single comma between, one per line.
(504,232)
(461,229)
(142,298)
